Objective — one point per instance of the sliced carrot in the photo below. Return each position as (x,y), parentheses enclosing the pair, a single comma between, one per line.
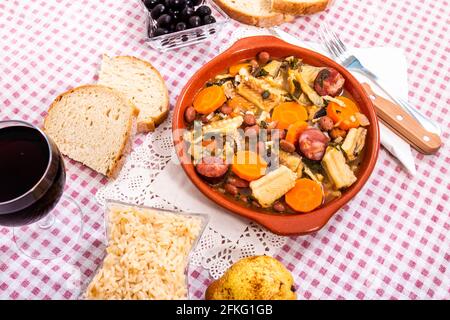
(234,70)
(209,99)
(248,165)
(295,130)
(344,116)
(287,113)
(207,142)
(240,103)
(305,196)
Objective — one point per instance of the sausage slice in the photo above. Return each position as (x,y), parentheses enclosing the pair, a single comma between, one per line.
(329,82)
(212,167)
(313,143)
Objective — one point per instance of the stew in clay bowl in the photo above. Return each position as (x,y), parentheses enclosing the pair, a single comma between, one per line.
(276,133)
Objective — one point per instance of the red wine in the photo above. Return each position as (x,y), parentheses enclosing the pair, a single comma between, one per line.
(23,161)
(32,174)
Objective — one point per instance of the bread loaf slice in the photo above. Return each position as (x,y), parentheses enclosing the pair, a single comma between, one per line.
(142,84)
(92,124)
(299,7)
(253,12)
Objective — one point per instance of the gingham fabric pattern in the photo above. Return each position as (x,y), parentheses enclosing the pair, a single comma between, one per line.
(391,241)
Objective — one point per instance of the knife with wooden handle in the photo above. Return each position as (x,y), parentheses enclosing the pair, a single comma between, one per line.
(395,117)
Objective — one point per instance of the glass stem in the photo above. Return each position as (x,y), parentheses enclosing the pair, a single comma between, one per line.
(47,221)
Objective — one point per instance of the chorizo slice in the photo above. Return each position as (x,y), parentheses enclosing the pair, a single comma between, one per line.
(313,143)
(329,82)
(212,167)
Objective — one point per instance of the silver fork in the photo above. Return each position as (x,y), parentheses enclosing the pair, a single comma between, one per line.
(338,49)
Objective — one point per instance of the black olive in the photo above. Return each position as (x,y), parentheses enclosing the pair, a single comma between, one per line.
(180,26)
(195,21)
(177,4)
(190,4)
(150,4)
(203,11)
(164,20)
(158,10)
(197,2)
(186,13)
(265,94)
(208,19)
(175,14)
(160,32)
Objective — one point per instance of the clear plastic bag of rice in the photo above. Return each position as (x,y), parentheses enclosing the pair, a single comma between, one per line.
(147,254)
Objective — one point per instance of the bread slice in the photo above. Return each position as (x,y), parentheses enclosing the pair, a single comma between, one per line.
(140,82)
(253,12)
(299,7)
(92,124)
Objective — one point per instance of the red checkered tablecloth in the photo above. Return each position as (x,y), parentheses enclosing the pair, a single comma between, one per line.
(392,241)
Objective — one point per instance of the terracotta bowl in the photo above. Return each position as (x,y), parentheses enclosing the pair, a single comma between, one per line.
(283,224)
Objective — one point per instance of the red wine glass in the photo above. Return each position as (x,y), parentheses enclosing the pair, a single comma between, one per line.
(46,223)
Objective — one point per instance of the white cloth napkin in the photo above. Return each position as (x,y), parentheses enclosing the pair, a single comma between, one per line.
(390,64)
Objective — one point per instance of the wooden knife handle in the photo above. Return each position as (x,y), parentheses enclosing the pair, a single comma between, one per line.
(404,124)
